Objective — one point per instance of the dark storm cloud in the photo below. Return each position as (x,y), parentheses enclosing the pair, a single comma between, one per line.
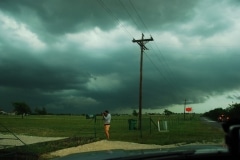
(78,56)
(20,69)
(59,16)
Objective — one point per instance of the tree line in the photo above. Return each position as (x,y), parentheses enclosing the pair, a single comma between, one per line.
(21,108)
(232,111)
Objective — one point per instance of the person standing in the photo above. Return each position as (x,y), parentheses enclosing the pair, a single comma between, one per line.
(107,120)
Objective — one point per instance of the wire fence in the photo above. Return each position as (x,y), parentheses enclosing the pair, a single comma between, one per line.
(126,125)
(161,128)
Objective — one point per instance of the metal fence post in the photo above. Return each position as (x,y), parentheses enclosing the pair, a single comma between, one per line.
(150,125)
(95,121)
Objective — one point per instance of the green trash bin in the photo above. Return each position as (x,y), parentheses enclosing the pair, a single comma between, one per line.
(132,124)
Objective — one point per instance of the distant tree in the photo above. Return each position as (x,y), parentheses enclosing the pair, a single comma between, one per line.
(42,111)
(167,112)
(36,110)
(233,110)
(21,108)
(215,113)
(135,113)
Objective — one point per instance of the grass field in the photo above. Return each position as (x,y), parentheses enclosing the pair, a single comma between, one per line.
(179,130)
(81,131)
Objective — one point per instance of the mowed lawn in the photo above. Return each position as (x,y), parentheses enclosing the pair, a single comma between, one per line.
(190,130)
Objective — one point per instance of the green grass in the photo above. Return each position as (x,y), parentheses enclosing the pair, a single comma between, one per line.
(57,126)
(179,130)
(78,127)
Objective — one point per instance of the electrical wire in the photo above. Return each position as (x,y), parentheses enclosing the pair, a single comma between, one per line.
(109,11)
(125,8)
(115,18)
(145,26)
(155,66)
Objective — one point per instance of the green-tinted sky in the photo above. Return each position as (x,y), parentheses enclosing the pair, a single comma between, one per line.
(78,56)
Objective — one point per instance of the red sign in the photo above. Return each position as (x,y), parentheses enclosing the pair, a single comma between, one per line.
(189,109)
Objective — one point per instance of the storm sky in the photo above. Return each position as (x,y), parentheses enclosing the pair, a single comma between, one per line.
(78,56)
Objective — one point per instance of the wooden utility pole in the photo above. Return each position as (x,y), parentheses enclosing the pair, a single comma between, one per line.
(141,43)
(185,101)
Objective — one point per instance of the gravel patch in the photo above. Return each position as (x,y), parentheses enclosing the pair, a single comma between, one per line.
(106,145)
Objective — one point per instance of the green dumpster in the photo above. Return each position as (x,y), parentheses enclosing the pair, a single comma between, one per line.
(132,124)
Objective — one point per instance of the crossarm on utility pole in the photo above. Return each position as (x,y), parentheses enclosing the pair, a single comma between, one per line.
(141,40)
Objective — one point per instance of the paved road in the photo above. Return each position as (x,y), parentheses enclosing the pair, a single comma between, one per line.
(9,140)
(213,123)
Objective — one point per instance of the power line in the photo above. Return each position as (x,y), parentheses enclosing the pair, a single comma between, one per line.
(166,66)
(155,66)
(115,18)
(164,61)
(109,11)
(145,26)
(131,17)
(172,85)
(125,8)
